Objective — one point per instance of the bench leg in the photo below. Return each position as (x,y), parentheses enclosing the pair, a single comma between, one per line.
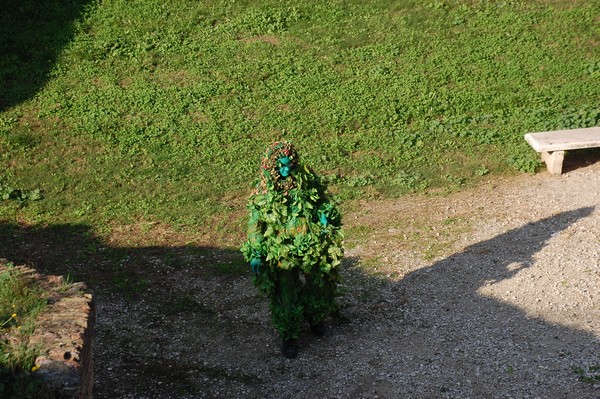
(554,161)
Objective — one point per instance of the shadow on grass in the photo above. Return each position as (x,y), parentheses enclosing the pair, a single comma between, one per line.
(32,34)
(75,253)
(187,322)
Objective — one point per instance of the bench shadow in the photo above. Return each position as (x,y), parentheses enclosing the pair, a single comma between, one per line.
(577,159)
(32,34)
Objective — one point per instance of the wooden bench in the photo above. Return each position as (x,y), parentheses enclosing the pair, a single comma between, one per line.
(553,144)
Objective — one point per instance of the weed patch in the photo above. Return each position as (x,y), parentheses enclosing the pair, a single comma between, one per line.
(20,303)
(590,375)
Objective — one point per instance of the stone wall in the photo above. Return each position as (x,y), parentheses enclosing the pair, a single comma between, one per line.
(64,333)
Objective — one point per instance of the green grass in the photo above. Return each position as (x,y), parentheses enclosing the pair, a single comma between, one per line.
(20,303)
(155,111)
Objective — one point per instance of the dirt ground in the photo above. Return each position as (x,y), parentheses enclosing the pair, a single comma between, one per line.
(490,292)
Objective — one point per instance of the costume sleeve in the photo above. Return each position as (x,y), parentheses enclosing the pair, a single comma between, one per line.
(252,248)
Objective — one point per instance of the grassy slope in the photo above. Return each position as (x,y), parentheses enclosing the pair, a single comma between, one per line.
(158,111)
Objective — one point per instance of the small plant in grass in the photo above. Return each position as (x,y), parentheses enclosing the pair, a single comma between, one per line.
(8,192)
(11,318)
(20,303)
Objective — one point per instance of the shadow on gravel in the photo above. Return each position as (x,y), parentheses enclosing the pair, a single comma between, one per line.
(147,298)
(32,34)
(186,322)
(456,342)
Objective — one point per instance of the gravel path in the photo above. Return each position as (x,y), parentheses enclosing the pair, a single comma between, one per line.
(493,292)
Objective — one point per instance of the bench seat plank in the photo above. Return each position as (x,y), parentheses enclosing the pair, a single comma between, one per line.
(553,144)
(561,140)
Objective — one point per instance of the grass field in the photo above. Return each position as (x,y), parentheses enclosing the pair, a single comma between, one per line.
(123,111)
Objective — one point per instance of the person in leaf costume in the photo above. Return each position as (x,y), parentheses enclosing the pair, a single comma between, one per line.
(294,244)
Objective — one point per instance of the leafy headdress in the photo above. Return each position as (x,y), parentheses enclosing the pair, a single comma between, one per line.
(277,167)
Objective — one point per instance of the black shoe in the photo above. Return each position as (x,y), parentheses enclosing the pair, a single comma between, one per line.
(289,348)
(318,329)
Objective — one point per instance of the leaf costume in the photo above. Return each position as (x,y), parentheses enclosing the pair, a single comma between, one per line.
(294,243)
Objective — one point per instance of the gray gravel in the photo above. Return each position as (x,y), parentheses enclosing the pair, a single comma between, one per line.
(506,306)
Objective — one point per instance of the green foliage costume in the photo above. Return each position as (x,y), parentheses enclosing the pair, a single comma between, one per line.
(294,243)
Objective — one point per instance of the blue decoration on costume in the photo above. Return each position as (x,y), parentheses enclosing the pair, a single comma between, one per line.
(323,220)
(255,265)
(284,171)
